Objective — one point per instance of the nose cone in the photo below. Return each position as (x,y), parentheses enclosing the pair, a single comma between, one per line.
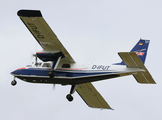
(17,71)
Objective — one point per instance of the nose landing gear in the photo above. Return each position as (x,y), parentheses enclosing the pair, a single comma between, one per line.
(14,82)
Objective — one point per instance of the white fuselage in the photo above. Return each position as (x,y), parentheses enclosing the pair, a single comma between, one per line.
(73,73)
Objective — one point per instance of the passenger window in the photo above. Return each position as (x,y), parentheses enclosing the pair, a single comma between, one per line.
(66,66)
(46,65)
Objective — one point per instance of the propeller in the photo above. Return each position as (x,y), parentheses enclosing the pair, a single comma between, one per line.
(36,58)
(33,54)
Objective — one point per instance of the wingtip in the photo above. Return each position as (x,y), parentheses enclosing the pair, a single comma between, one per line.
(106,108)
(29,13)
(111,109)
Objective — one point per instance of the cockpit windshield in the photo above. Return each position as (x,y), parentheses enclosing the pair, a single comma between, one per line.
(40,64)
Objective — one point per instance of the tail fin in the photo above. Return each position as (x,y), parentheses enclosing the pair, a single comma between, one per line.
(140,49)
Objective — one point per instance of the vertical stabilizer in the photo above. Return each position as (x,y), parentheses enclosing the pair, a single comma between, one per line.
(140,49)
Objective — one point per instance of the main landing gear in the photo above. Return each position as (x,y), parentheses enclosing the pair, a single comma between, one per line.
(14,82)
(69,96)
(51,74)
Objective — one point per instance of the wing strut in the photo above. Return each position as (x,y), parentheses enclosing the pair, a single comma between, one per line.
(55,63)
(54,66)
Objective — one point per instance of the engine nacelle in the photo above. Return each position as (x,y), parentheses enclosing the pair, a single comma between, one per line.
(49,56)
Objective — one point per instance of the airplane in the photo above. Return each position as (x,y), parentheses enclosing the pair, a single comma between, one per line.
(58,67)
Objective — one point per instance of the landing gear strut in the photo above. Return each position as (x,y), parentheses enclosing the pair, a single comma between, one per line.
(14,82)
(69,96)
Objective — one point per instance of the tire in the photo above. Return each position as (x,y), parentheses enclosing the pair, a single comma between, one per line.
(14,82)
(69,97)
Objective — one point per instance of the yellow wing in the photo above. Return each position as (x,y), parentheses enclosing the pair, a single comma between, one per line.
(42,32)
(91,96)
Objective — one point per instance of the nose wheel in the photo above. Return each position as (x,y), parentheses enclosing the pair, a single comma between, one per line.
(14,82)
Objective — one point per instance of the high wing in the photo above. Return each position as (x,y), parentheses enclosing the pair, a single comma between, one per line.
(91,96)
(43,33)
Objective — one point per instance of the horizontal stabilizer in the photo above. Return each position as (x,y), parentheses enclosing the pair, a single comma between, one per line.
(133,61)
(91,96)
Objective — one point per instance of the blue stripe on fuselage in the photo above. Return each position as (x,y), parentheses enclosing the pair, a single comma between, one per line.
(60,73)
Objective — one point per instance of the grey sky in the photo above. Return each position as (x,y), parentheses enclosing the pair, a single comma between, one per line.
(92,31)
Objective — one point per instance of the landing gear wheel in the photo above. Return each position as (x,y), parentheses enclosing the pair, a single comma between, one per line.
(14,82)
(51,74)
(69,97)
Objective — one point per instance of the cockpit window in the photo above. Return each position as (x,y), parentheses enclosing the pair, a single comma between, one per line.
(38,64)
(46,65)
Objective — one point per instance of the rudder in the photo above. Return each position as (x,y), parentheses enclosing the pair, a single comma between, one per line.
(140,49)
